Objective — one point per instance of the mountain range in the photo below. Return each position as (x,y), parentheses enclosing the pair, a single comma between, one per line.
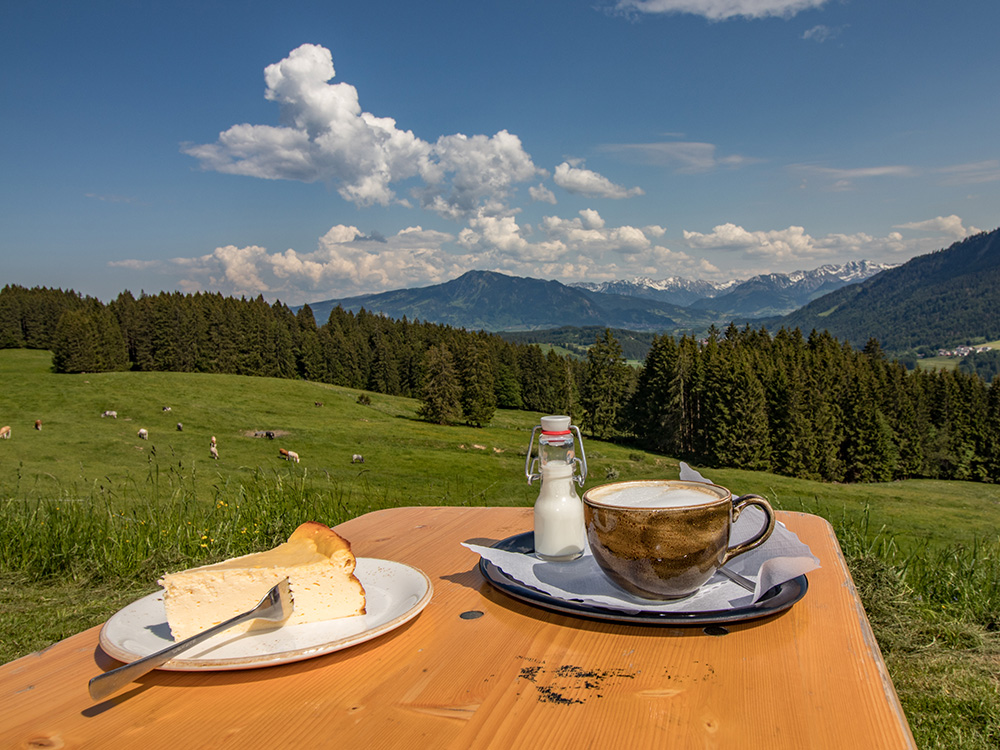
(939,299)
(497,302)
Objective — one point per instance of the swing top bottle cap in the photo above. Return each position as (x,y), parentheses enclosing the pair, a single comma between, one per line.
(555,424)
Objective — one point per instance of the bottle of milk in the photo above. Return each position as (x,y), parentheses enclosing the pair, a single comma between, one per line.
(559,528)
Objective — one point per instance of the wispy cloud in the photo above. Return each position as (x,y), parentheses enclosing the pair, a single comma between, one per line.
(973,173)
(822,33)
(844,179)
(685,157)
(720,10)
(112,198)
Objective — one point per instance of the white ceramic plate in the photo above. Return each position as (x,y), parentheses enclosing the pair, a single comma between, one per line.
(395,594)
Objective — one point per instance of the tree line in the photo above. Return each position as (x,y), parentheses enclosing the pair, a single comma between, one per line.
(208,332)
(811,407)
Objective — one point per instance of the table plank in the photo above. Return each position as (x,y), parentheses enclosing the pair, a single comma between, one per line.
(811,677)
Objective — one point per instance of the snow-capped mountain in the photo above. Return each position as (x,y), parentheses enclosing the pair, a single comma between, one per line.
(759,296)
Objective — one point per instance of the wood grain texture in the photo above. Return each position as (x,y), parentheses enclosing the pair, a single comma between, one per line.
(811,677)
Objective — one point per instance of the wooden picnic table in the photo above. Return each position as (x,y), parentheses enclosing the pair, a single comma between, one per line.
(516,676)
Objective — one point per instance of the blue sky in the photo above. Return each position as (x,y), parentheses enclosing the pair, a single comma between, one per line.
(309,150)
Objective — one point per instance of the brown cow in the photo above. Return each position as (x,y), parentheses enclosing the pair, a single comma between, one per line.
(38,424)
(283,452)
(5,432)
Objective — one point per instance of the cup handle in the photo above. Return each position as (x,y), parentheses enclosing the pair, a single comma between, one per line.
(761,536)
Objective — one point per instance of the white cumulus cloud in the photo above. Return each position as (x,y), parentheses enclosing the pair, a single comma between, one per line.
(325,135)
(949,226)
(793,244)
(575,179)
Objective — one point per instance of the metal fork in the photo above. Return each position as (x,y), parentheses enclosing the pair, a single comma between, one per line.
(275,606)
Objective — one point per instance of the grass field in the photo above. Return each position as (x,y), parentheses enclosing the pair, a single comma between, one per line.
(90,515)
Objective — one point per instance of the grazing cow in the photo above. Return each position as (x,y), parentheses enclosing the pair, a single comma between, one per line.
(38,424)
(319,403)
(269,434)
(213,452)
(357,458)
(213,440)
(293,456)
(143,434)
(180,427)
(5,432)
(166,408)
(112,414)
(283,453)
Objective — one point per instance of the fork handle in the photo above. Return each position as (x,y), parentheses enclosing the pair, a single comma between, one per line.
(109,682)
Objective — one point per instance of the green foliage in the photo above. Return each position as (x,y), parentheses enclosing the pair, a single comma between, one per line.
(479,399)
(813,408)
(984,364)
(441,396)
(604,390)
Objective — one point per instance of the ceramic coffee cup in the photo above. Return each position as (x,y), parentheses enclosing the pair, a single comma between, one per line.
(662,539)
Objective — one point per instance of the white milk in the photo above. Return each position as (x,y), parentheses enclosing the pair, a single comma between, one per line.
(559,529)
(657,496)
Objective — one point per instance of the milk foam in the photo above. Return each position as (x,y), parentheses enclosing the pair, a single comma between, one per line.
(658,497)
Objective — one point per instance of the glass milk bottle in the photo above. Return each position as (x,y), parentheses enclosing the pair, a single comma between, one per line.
(559,528)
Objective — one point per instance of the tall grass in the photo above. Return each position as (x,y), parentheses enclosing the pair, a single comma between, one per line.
(139,530)
(961,578)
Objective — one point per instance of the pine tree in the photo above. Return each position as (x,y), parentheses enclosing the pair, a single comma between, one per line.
(654,407)
(441,393)
(479,401)
(604,391)
(76,343)
(111,353)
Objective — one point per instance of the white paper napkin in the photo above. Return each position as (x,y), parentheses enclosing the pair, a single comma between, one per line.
(781,558)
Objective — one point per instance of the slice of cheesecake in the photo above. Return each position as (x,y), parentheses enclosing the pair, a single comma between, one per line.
(319,566)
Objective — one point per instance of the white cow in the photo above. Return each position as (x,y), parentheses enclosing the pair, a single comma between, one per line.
(112,414)
(143,434)
(357,458)
(293,456)
(214,452)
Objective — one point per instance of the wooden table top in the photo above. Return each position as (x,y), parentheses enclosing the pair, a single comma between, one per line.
(517,676)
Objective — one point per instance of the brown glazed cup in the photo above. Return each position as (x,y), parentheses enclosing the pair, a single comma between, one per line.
(662,539)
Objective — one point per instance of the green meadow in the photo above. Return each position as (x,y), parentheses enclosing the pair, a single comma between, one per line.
(90,514)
